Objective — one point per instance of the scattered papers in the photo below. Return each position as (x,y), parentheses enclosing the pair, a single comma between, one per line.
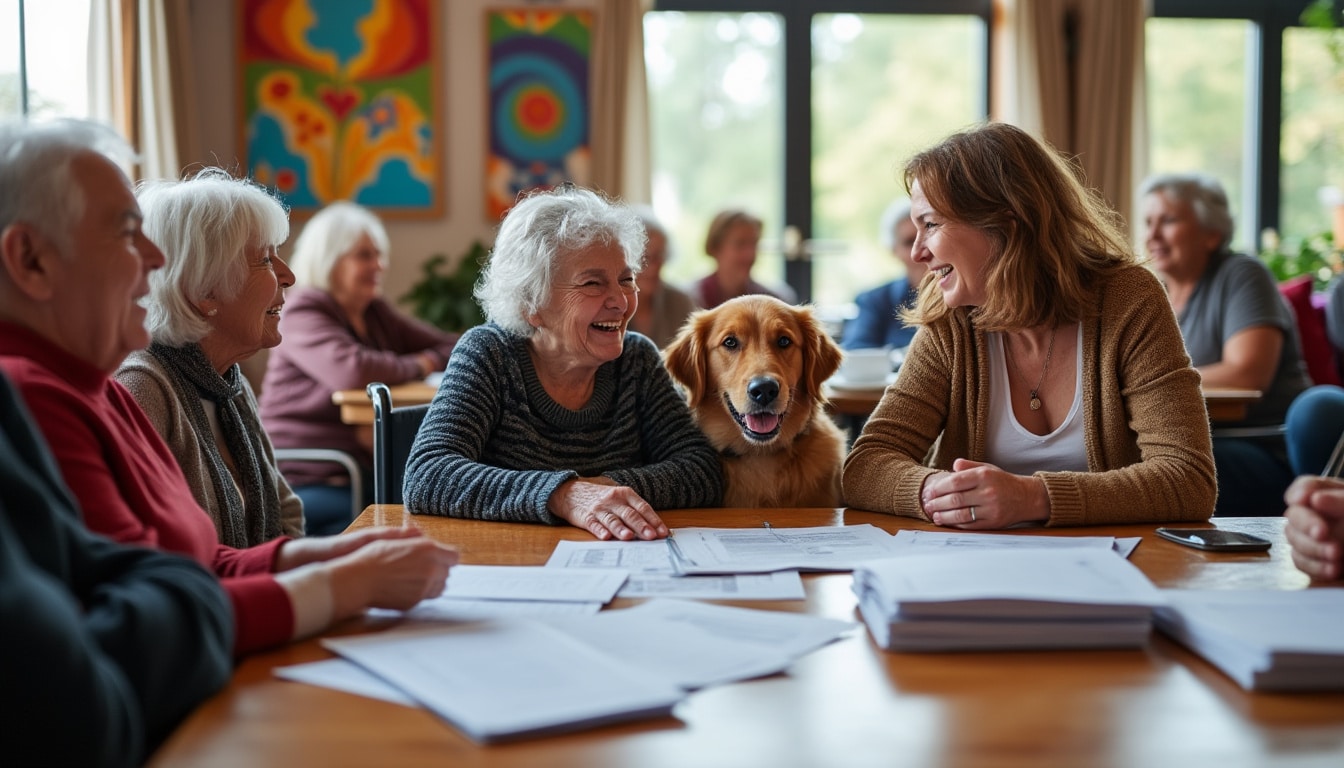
(1005,599)
(934,541)
(510,679)
(652,573)
(1265,640)
(758,550)
(517,582)
(694,645)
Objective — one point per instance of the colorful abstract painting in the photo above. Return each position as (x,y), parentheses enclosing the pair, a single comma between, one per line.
(539,102)
(338,102)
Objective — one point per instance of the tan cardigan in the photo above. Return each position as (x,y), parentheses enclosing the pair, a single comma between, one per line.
(1146,428)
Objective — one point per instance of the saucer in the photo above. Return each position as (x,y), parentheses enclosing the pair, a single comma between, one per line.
(839,382)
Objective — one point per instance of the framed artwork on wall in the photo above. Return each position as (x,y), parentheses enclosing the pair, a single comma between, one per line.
(539,102)
(339,101)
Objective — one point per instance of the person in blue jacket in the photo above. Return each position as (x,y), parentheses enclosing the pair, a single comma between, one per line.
(878,323)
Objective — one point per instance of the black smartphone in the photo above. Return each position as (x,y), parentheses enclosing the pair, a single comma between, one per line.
(1215,539)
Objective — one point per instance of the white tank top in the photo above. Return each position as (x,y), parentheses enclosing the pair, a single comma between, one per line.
(1012,447)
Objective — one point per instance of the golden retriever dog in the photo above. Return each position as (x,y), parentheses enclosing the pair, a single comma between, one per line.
(753,368)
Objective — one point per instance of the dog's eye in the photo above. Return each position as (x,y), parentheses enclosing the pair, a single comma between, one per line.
(730,342)
(784,341)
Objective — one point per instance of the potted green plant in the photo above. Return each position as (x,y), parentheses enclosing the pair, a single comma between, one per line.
(445,299)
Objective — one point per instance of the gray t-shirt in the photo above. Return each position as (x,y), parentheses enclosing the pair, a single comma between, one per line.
(1238,292)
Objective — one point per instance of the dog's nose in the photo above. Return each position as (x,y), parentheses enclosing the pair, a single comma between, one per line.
(763,390)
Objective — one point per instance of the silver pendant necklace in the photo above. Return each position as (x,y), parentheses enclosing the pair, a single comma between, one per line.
(1049,352)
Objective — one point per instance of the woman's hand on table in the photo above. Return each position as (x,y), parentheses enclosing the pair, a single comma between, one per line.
(393,573)
(606,510)
(1315,528)
(976,495)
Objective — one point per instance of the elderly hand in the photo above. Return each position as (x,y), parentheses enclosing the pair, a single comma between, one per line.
(978,495)
(606,510)
(317,549)
(389,573)
(1315,528)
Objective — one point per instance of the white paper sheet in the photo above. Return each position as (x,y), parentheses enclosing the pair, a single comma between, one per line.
(518,582)
(508,679)
(698,644)
(927,541)
(652,573)
(757,550)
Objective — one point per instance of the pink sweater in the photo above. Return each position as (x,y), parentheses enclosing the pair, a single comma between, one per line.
(321,354)
(128,485)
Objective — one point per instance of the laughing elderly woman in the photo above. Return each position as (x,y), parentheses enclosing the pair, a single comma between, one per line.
(205,315)
(551,412)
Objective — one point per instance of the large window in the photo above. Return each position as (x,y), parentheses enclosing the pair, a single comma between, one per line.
(1238,89)
(803,112)
(49,53)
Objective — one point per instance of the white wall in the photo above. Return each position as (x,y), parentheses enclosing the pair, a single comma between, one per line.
(462,40)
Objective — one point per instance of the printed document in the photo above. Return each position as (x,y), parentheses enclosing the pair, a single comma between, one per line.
(526,582)
(757,550)
(652,573)
(927,541)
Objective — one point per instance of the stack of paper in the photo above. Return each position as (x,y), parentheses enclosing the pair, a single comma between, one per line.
(1265,640)
(971,599)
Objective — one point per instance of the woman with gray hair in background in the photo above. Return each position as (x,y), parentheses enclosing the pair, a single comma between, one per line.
(1237,328)
(551,412)
(340,334)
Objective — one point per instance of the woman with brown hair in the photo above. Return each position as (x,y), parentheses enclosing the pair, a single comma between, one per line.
(1050,384)
(732,241)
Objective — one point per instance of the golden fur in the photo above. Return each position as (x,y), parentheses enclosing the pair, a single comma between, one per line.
(752,363)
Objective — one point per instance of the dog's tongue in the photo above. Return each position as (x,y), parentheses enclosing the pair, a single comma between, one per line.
(762,423)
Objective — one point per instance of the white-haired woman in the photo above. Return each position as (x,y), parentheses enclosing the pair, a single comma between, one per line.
(551,412)
(215,303)
(340,333)
(1237,328)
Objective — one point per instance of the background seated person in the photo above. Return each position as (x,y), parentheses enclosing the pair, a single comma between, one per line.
(662,307)
(732,240)
(72,275)
(1236,326)
(215,303)
(116,644)
(879,322)
(1048,383)
(551,412)
(340,333)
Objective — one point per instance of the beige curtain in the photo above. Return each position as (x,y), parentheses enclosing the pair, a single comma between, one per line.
(137,80)
(620,110)
(1071,72)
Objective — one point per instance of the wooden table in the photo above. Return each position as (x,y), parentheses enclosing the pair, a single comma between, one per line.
(846,704)
(1223,404)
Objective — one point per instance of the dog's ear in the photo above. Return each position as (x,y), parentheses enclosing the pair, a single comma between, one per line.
(685,357)
(821,355)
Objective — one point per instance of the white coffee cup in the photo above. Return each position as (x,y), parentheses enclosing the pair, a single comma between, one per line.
(865,365)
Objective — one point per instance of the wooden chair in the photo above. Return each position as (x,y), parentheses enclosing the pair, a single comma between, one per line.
(394,431)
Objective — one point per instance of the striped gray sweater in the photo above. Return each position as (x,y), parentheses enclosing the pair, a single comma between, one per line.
(495,446)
